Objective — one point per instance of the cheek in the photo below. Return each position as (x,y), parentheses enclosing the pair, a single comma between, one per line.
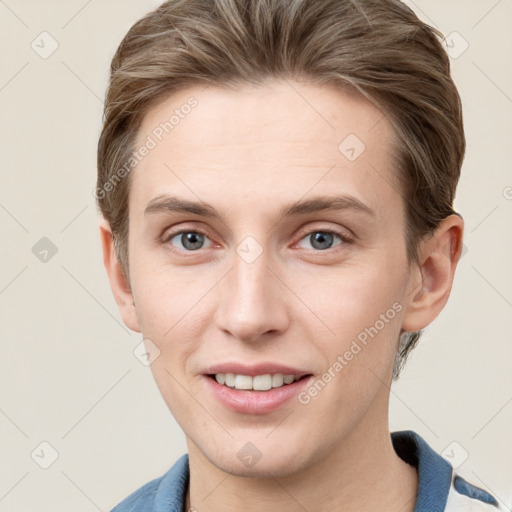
(354,299)
(363,312)
(166,298)
(174,308)
(365,315)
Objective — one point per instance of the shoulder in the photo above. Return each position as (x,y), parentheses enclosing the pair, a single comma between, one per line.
(164,493)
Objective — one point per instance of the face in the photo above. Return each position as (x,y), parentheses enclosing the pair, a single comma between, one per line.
(267,240)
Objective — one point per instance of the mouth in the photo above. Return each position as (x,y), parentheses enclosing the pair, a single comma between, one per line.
(264,382)
(255,388)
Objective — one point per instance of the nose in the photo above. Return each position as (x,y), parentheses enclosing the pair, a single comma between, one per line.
(252,301)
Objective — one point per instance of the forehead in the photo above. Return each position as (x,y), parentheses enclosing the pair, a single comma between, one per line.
(279,140)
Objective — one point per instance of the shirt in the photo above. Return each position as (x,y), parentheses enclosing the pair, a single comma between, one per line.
(440,488)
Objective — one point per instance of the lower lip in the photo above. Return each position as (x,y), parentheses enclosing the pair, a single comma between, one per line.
(256,402)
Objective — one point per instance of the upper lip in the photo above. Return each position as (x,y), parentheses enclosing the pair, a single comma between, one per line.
(254,369)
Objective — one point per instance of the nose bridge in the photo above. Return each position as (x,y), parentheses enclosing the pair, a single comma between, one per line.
(250,304)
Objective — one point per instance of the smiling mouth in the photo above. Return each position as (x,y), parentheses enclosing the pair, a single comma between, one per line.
(255,383)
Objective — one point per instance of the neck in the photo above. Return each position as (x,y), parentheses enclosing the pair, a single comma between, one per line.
(362,473)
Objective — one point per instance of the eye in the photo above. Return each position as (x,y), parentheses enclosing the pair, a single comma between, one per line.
(188,241)
(323,239)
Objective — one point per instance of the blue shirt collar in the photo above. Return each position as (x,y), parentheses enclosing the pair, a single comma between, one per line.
(434,473)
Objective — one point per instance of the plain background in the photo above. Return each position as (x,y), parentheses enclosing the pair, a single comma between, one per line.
(68,376)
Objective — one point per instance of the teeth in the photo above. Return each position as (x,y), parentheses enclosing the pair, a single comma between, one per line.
(257,383)
(262,382)
(243,382)
(288,379)
(277,380)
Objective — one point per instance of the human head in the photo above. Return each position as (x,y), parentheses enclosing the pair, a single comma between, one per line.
(377,47)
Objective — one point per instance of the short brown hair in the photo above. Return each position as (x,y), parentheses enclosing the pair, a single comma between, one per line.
(378,47)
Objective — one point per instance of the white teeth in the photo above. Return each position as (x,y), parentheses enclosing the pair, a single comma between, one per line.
(277,380)
(243,382)
(262,382)
(230,380)
(257,383)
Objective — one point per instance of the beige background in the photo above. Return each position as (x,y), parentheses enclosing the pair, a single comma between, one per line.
(68,376)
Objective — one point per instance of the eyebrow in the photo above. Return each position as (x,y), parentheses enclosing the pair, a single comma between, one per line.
(172,204)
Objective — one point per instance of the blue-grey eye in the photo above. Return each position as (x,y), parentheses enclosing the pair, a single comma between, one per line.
(190,240)
(322,240)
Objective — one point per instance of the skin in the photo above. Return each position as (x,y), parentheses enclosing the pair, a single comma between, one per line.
(248,153)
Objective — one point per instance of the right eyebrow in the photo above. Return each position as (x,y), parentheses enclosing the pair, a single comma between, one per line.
(175,204)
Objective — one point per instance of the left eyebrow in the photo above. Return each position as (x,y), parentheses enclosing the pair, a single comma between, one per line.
(161,204)
(322,203)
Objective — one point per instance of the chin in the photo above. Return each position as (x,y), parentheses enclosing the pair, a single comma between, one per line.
(260,459)
(276,466)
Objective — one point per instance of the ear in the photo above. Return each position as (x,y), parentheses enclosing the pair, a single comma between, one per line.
(431,283)
(118,281)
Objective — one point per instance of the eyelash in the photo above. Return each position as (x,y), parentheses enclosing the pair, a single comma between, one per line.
(342,236)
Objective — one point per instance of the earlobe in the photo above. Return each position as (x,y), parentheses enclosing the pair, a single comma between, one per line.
(119,283)
(431,283)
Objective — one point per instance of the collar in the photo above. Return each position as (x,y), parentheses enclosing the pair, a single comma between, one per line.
(434,473)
